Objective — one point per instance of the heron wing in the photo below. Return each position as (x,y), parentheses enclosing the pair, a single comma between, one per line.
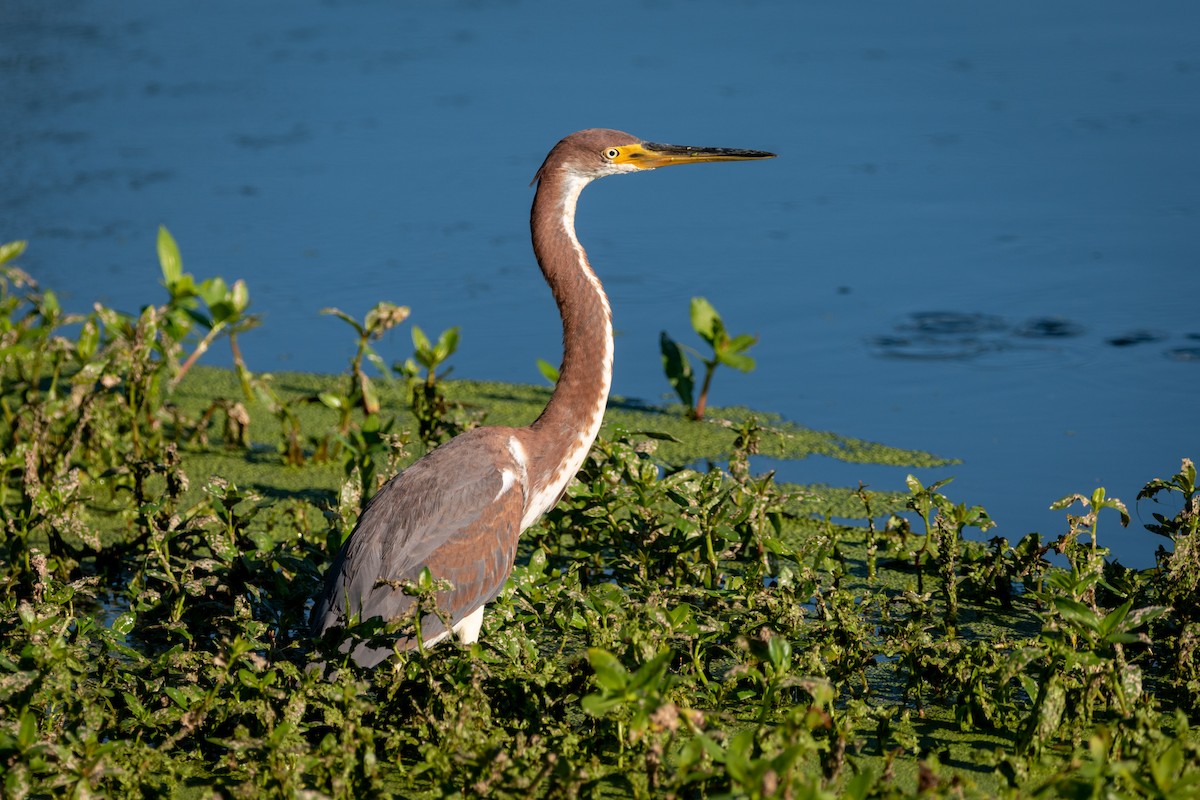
(456,511)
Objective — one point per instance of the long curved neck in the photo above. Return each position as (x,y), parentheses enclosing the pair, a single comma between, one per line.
(559,440)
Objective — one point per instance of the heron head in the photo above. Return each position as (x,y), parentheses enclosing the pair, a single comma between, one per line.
(597,152)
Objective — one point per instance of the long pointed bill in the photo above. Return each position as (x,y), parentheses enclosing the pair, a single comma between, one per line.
(650,155)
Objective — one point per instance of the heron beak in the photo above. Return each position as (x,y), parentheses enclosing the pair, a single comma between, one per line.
(651,155)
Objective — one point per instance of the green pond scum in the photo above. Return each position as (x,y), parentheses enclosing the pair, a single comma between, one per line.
(680,625)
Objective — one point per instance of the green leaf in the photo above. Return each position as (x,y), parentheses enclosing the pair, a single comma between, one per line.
(706,321)
(89,340)
(135,705)
(736,360)
(421,344)
(598,705)
(27,733)
(1112,621)
(370,397)
(332,400)
(743,342)
(223,312)
(124,624)
(661,436)
(213,291)
(169,258)
(1144,616)
(678,369)
(447,344)
(49,304)
(610,673)
(178,696)
(779,653)
(1064,502)
(342,315)
(651,671)
(859,787)
(11,250)
(548,370)
(1078,613)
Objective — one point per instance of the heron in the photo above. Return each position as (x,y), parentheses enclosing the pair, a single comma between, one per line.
(460,509)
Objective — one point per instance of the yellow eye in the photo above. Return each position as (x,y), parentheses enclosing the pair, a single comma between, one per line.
(611,153)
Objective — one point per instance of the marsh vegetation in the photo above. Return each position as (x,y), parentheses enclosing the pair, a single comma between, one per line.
(678,626)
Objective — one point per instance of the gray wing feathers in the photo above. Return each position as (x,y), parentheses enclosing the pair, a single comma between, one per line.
(450,511)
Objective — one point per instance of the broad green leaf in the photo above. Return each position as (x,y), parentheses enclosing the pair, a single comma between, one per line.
(213,291)
(610,673)
(420,342)
(651,671)
(50,307)
(705,320)
(124,623)
(598,705)
(135,705)
(740,362)
(27,733)
(1077,612)
(222,311)
(178,696)
(1113,619)
(89,340)
(742,342)
(779,652)
(678,369)
(11,250)
(168,257)
(447,344)
(548,370)
(1144,615)
(1065,502)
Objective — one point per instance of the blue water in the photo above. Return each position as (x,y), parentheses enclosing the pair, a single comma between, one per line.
(980,237)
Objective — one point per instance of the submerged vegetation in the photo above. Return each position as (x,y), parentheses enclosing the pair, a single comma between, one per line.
(669,630)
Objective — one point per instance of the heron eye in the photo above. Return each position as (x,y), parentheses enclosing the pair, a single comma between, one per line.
(611,153)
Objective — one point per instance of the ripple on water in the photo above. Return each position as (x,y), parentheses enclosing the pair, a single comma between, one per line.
(1136,337)
(995,342)
(967,336)
(1183,353)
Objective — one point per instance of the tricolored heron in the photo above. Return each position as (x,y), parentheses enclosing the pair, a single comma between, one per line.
(460,509)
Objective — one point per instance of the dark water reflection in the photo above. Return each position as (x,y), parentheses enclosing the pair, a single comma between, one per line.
(952,335)
(1030,168)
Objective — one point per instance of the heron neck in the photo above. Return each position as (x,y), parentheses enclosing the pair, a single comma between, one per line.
(563,434)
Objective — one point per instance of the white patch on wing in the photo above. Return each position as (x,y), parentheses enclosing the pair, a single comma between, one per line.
(507,479)
(517,451)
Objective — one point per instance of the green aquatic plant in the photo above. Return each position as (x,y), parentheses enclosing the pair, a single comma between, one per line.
(548,371)
(438,419)
(224,311)
(669,630)
(379,320)
(726,349)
